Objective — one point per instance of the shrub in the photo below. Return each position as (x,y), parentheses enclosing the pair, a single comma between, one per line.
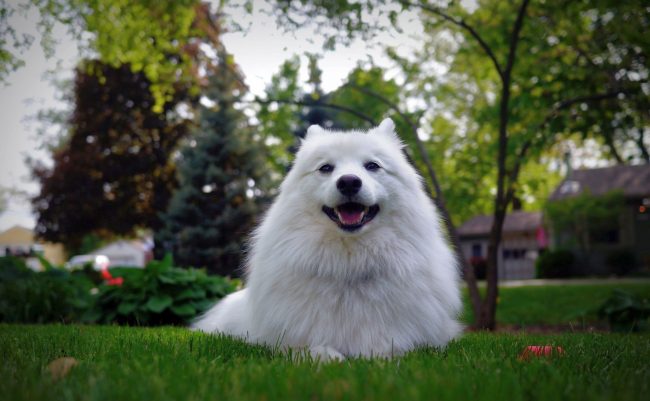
(621,261)
(159,294)
(625,312)
(51,296)
(555,264)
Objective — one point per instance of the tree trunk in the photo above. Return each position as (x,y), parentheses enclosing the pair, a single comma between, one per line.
(608,135)
(487,318)
(640,143)
(488,309)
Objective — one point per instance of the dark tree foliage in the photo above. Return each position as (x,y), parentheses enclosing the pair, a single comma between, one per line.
(114,174)
(222,176)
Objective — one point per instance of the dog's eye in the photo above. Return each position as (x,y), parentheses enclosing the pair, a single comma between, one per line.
(371,166)
(326,168)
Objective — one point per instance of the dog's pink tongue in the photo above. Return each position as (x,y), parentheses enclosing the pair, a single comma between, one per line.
(350,217)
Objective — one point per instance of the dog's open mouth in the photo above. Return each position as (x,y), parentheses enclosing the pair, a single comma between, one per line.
(351,216)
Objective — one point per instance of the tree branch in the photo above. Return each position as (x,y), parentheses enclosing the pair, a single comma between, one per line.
(559,106)
(514,38)
(324,105)
(462,24)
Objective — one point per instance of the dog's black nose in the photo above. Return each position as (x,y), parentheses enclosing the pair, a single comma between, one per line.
(348,184)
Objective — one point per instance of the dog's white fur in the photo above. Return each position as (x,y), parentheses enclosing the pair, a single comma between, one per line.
(383,290)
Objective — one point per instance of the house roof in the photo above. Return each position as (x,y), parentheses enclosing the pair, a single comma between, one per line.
(634,181)
(517,221)
(17,235)
(121,245)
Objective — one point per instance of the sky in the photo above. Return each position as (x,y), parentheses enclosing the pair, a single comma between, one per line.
(259,50)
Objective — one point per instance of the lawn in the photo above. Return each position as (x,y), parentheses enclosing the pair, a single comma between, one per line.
(573,305)
(122,363)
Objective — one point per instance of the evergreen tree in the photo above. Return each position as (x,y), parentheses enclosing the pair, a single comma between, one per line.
(222,176)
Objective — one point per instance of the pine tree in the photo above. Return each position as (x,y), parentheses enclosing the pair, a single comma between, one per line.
(222,176)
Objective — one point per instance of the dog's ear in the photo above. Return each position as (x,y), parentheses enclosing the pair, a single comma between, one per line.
(314,130)
(387,129)
(387,125)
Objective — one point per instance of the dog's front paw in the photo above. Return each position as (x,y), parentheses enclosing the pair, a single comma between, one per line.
(323,353)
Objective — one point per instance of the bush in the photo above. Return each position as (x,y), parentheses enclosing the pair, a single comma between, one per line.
(51,296)
(555,264)
(625,312)
(159,295)
(621,261)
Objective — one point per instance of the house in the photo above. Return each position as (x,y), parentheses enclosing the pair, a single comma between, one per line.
(523,238)
(630,232)
(20,241)
(132,253)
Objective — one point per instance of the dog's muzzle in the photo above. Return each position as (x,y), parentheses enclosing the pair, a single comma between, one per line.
(351,216)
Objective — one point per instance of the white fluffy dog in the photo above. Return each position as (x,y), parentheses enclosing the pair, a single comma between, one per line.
(350,260)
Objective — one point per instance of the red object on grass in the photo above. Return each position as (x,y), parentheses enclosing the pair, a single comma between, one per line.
(547,351)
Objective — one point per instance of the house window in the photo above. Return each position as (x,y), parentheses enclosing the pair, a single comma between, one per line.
(514,253)
(477,251)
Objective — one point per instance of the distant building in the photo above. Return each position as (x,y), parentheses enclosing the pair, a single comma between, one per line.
(631,231)
(523,238)
(19,241)
(132,253)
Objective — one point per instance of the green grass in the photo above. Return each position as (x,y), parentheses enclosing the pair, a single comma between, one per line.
(120,363)
(555,304)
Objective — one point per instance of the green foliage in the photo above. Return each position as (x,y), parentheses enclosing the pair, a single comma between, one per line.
(555,264)
(47,297)
(223,182)
(89,243)
(621,261)
(147,35)
(133,364)
(626,312)
(159,294)
(576,219)
(12,42)
(278,119)
(290,106)
(12,268)
(579,68)
(366,89)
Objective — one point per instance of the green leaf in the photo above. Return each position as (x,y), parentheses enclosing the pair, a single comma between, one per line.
(190,293)
(126,307)
(158,303)
(183,310)
(203,304)
(167,279)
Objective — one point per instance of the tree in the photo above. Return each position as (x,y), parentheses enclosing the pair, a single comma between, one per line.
(114,173)
(612,52)
(223,179)
(577,219)
(289,106)
(509,77)
(147,35)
